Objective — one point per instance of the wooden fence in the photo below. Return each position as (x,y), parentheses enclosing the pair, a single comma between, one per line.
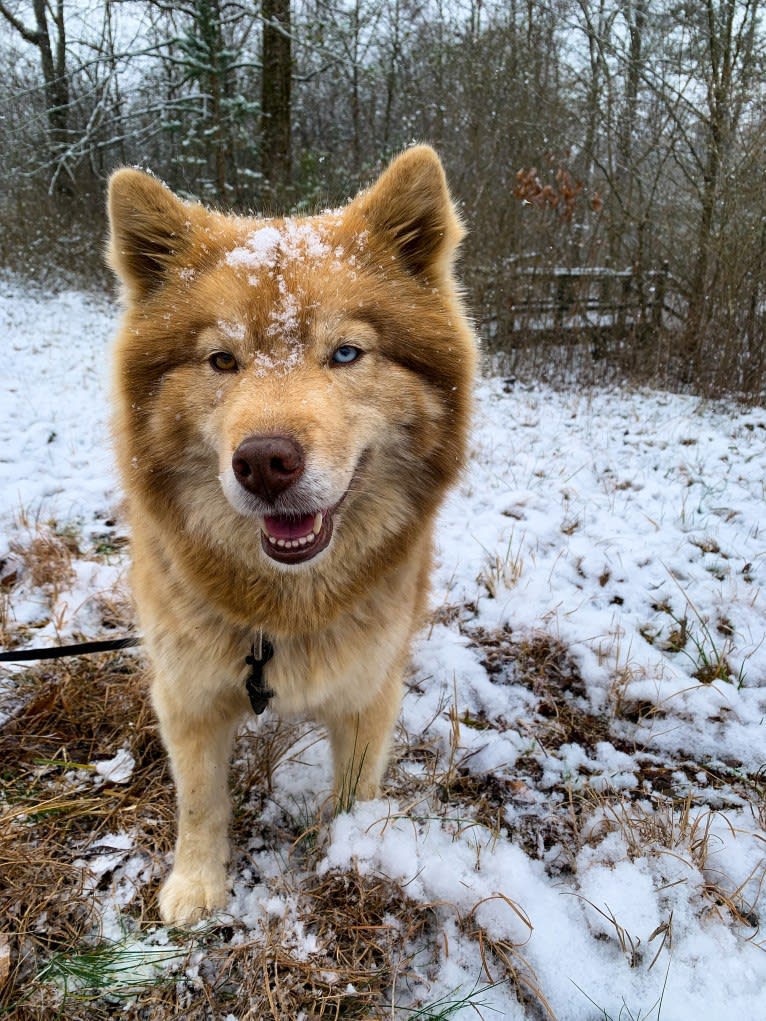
(585,300)
(537,306)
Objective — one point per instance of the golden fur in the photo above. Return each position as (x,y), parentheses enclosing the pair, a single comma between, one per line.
(342,339)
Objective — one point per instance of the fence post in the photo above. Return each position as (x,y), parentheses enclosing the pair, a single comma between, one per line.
(625,289)
(565,294)
(660,286)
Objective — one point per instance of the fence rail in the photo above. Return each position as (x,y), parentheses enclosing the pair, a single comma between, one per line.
(586,298)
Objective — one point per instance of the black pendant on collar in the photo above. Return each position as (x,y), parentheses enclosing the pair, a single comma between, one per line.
(257,691)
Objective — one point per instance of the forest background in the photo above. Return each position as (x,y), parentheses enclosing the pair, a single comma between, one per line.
(607,155)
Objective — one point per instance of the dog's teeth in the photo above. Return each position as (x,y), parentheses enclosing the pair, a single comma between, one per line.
(301,541)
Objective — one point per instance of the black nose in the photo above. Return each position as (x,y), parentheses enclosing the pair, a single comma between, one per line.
(268,465)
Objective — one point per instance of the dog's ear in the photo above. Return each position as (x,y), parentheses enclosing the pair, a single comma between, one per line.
(150,228)
(410,206)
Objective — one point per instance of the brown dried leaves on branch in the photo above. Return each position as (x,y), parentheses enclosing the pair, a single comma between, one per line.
(561,196)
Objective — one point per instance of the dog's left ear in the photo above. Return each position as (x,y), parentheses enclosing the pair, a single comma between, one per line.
(410,206)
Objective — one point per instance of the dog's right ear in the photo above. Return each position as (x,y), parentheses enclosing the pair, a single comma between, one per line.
(150,228)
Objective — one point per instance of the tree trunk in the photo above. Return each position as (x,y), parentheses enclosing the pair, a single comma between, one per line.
(276,136)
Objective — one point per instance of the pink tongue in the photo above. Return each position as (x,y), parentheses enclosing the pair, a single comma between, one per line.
(289,528)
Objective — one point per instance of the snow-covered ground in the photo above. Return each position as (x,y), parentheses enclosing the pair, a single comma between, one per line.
(595,672)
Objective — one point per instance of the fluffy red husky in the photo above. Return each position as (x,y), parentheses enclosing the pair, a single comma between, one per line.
(292,401)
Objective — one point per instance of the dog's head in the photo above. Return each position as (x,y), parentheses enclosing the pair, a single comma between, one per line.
(313,371)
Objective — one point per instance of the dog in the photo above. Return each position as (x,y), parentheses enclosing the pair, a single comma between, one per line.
(291,404)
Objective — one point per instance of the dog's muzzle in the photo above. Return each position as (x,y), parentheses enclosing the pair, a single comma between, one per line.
(267,466)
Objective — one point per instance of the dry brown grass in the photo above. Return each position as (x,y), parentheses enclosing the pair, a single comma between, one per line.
(66,717)
(367,932)
(41,562)
(47,558)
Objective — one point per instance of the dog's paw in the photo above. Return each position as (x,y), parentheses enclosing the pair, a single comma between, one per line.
(184,898)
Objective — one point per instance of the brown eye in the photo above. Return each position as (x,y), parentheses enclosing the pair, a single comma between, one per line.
(223,361)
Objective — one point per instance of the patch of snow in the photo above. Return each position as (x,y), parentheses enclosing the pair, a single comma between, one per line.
(259,250)
(118,769)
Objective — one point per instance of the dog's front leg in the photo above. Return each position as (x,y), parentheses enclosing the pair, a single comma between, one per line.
(361,742)
(199,747)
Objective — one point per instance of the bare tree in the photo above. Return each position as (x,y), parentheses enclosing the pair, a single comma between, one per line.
(52,54)
(725,51)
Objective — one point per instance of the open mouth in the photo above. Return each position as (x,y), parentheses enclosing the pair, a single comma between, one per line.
(292,539)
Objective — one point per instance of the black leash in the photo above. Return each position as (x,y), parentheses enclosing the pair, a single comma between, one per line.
(257,691)
(60,651)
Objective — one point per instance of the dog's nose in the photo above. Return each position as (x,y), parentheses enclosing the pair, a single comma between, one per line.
(268,465)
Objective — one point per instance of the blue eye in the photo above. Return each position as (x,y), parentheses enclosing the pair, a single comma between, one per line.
(346,354)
